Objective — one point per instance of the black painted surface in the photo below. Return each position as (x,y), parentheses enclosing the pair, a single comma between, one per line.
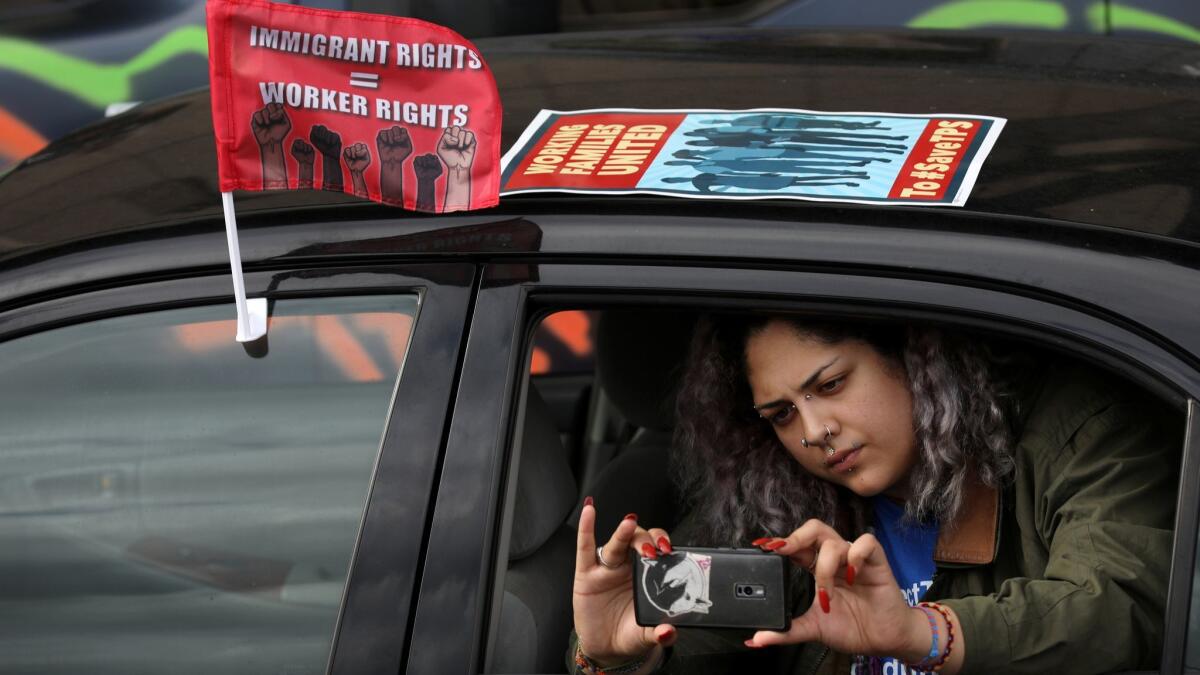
(456,579)
(377,606)
(1100,131)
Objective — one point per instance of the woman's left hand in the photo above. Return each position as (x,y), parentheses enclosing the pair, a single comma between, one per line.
(859,608)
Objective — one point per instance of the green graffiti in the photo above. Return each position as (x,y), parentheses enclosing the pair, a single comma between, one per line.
(1097,17)
(980,13)
(98,84)
(1132,18)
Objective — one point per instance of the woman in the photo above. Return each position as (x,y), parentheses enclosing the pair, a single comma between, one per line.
(1034,510)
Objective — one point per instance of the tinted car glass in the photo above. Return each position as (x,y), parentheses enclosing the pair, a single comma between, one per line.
(170,504)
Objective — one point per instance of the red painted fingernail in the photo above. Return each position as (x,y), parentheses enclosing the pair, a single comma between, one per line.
(750,644)
(776,545)
(850,575)
(649,552)
(760,541)
(587,501)
(824,598)
(664,545)
(630,516)
(666,635)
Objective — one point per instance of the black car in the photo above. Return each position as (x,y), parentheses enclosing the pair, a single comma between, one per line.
(384,488)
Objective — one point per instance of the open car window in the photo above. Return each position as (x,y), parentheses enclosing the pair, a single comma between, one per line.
(619,452)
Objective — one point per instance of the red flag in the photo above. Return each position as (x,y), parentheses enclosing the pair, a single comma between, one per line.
(392,109)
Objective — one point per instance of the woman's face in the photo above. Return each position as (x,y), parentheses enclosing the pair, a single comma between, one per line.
(848,387)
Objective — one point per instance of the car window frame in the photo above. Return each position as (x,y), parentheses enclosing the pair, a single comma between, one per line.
(373,617)
(1184,555)
(462,576)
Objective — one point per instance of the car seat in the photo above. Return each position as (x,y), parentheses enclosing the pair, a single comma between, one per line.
(639,358)
(535,611)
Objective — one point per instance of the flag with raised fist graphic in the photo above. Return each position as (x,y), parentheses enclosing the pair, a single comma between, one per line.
(392,109)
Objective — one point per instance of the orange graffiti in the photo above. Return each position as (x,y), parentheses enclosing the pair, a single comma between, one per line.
(541,362)
(572,328)
(205,336)
(334,337)
(393,328)
(17,139)
(346,351)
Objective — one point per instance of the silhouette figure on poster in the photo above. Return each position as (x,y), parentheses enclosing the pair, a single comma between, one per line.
(768,152)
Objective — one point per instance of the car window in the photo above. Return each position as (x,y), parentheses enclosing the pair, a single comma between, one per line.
(169,503)
(1192,653)
(621,437)
(624,466)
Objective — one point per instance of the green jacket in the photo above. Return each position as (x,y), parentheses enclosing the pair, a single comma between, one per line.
(1079,580)
(1065,570)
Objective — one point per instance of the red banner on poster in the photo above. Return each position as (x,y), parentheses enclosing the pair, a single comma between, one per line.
(392,109)
(933,162)
(597,151)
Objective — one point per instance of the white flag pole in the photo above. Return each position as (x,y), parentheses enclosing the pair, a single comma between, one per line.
(251,314)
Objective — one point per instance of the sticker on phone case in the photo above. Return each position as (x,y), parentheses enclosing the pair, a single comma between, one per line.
(678,584)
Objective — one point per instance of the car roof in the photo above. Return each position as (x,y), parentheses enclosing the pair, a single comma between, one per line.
(1100,133)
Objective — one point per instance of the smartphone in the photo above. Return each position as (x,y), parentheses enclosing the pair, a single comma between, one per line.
(712,587)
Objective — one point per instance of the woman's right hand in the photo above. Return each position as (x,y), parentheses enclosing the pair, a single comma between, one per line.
(603,596)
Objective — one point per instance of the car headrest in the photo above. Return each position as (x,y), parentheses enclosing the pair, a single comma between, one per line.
(639,357)
(546,490)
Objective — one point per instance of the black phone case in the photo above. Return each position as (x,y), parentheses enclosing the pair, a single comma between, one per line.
(712,587)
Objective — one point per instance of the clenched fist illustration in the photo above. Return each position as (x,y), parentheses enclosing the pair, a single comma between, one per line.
(358,158)
(304,156)
(428,168)
(270,127)
(329,144)
(271,124)
(395,146)
(457,147)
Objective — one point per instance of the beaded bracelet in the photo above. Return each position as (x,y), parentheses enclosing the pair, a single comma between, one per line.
(940,609)
(930,659)
(586,666)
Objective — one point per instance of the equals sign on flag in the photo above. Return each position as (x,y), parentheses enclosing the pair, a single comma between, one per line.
(364,80)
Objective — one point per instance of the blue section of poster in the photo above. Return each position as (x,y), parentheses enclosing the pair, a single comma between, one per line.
(836,156)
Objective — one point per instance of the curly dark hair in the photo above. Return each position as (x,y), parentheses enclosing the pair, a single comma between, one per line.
(739,481)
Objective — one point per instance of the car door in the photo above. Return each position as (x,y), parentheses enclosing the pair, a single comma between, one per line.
(463,588)
(173,501)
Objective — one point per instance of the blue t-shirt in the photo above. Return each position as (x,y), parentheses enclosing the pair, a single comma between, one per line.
(909,548)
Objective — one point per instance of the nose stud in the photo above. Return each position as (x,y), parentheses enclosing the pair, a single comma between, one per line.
(829,449)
